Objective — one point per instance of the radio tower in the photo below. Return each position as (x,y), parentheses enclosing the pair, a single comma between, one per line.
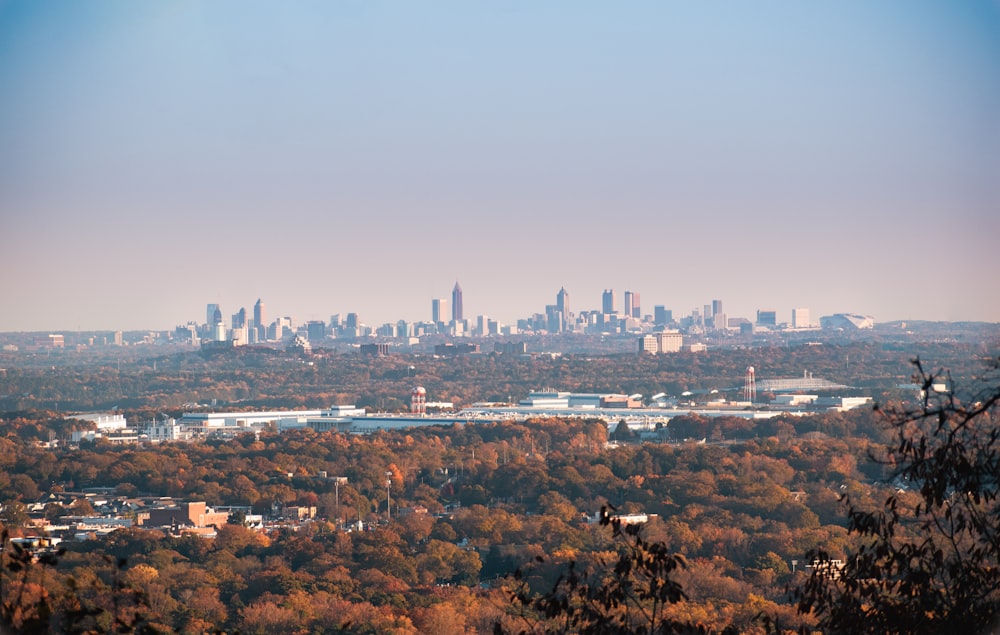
(750,386)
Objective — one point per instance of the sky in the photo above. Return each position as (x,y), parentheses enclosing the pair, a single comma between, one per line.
(363,156)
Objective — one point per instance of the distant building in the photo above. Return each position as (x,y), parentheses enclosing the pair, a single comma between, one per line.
(648,344)
(452,350)
(210,312)
(510,348)
(669,342)
(437,310)
(300,345)
(240,318)
(562,302)
(767,317)
(457,310)
(847,322)
(49,341)
(260,320)
(608,302)
(629,298)
(716,307)
(662,315)
(800,319)
(378,350)
(315,330)
(187,514)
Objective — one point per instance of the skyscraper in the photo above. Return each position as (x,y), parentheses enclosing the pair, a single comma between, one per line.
(437,310)
(562,302)
(240,318)
(259,316)
(636,309)
(716,307)
(608,302)
(210,314)
(456,304)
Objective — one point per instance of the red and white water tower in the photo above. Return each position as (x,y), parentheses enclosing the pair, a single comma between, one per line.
(418,401)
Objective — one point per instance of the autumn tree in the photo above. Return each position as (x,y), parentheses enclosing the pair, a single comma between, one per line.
(931,565)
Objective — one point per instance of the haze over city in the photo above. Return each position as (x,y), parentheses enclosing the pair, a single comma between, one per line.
(363,156)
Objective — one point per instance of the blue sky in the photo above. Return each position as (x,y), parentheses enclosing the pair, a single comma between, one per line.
(362,156)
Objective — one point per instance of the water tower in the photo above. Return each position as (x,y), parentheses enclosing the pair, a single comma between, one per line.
(418,401)
(750,386)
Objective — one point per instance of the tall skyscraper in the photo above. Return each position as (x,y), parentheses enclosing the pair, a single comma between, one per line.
(456,304)
(562,302)
(716,307)
(636,309)
(628,304)
(259,315)
(608,302)
(210,314)
(240,318)
(438,309)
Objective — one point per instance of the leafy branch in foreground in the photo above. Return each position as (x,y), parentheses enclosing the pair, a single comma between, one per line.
(627,593)
(929,559)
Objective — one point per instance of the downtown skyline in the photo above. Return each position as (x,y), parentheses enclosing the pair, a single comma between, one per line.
(361,157)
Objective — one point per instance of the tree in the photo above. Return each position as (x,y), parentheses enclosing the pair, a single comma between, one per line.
(932,566)
(626,594)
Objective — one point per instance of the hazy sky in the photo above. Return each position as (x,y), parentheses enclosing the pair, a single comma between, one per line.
(363,156)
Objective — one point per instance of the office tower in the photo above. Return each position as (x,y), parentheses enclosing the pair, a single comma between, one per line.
(352,321)
(636,309)
(608,302)
(438,309)
(766,317)
(707,313)
(628,304)
(315,330)
(259,314)
(210,312)
(662,315)
(554,319)
(456,304)
(562,302)
(240,318)
(800,318)
(716,307)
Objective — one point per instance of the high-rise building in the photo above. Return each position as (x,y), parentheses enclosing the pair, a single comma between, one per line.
(800,319)
(456,304)
(716,307)
(636,309)
(352,321)
(608,302)
(662,315)
(438,310)
(562,302)
(240,318)
(210,312)
(767,317)
(315,330)
(628,303)
(259,314)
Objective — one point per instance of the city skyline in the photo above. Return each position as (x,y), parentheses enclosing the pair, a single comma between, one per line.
(361,157)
